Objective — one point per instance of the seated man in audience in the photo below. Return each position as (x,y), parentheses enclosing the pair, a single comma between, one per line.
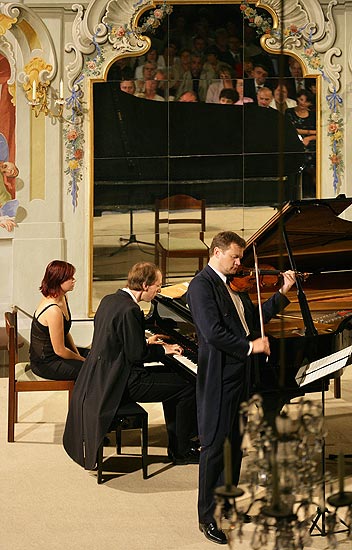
(128,86)
(258,80)
(195,79)
(264,97)
(117,371)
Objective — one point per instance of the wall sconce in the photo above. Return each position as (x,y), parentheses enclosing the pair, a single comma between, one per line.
(40,101)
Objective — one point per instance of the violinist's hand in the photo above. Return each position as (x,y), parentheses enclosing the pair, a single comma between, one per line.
(157,339)
(289,279)
(261,345)
(173,349)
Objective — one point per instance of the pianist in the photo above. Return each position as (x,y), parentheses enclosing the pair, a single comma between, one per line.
(115,372)
(223,324)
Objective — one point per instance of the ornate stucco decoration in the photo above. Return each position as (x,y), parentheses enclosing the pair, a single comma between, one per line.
(6,23)
(311,26)
(113,23)
(33,39)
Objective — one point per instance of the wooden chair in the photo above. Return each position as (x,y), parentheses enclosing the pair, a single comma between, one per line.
(130,416)
(22,378)
(179,210)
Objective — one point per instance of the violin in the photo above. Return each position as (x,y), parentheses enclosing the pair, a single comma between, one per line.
(244,279)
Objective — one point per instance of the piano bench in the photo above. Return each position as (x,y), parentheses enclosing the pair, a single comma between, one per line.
(129,416)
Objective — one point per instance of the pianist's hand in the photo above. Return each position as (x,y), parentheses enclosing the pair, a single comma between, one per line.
(173,349)
(289,278)
(157,339)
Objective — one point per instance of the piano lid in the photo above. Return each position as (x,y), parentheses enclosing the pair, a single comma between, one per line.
(141,140)
(319,239)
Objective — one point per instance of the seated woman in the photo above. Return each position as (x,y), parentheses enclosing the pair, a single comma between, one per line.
(53,354)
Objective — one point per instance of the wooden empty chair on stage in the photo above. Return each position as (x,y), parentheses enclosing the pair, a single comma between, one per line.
(129,416)
(21,377)
(180,242)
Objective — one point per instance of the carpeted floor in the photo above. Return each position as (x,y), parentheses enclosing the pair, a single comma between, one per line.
(49,503)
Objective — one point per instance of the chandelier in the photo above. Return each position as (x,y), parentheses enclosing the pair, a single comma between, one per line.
(286,470)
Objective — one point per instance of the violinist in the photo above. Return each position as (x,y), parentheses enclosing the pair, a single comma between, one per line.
(224,323)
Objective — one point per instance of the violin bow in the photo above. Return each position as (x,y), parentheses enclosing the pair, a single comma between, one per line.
(258,291)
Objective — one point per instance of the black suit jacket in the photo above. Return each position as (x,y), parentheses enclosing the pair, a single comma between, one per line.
(118,343)
(221,341)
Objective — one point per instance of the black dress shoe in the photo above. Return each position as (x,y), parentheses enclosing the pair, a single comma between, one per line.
(212,533)
(191,457)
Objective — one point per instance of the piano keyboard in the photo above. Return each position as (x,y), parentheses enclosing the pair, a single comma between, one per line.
(186,363)
(183,360)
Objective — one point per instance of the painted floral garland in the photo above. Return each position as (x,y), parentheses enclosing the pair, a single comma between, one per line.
(74,141)
(263,25)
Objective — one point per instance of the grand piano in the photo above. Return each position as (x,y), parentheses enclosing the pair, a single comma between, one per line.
(225,154)
(312,238)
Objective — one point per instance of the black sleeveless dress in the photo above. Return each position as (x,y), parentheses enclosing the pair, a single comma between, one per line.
(44,361)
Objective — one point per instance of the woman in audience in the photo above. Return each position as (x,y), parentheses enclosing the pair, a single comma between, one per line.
(226,80)
(239,87)
(281,101)
(304,120)
(53,353)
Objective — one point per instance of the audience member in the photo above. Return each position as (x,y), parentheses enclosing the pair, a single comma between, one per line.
(264,97)
(226,75)
(53,353)
(163,84)
(199,46)
(228,96)
(195,79)
(150,57)
(297,82)
(148,72)
(304,120)
(281,101)
(236,52)
(258,80)
(128,86)
(188,97)
(221,45)
(247,68)
(182,66)
(150,91)
(212,63)
(239,86)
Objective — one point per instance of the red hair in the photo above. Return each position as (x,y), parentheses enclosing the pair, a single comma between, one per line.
(56,273)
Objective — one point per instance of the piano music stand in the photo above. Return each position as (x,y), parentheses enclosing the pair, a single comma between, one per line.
(308,373)
(132,239)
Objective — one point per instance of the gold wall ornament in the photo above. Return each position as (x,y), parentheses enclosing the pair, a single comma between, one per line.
(36,85)
(12,91)
(6,23)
